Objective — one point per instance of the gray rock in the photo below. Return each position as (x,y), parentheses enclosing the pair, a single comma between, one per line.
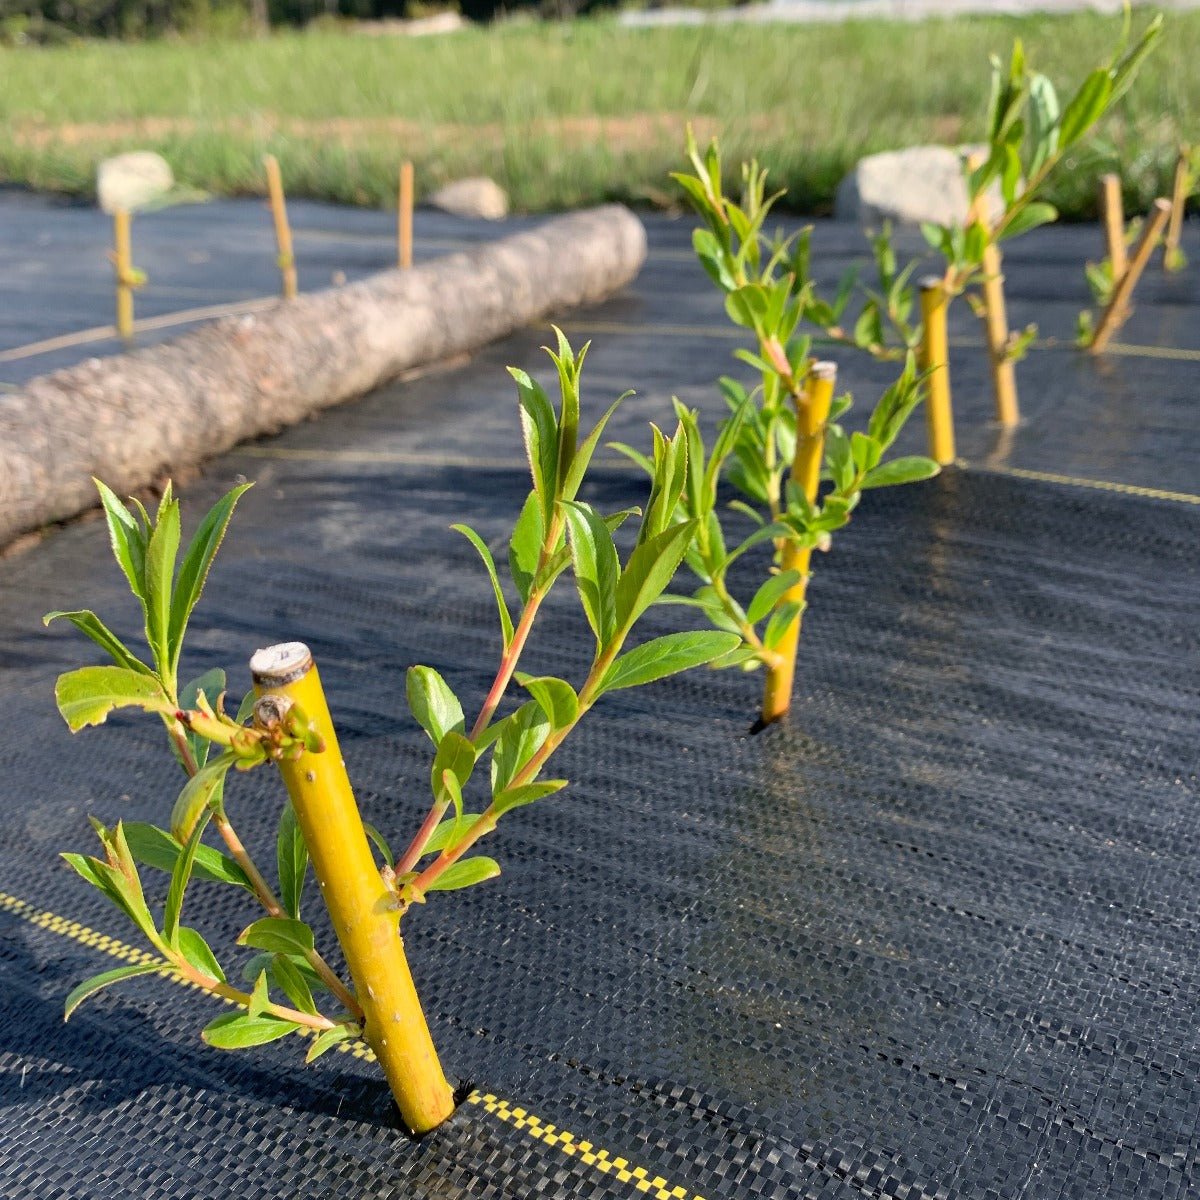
(132,180)
(922,183)
(479,197)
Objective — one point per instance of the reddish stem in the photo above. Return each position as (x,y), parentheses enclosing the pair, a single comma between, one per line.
(416,847)
(508,664)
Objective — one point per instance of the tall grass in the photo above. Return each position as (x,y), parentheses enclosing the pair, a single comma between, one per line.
(563,115)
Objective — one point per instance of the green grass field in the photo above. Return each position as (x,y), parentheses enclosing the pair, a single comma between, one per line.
(564,115)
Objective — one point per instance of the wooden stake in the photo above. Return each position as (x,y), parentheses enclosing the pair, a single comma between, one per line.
(404,217)
(360,905)
(283,231)
(935,361)
(1112,207)
(1118,310)
(812,416)
(995,321)
(1173,259)
(123,266)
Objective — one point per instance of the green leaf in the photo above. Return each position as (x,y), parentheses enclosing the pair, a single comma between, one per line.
(235,1031)
(465,874)
(259,997)
(583,456)
(326,1040)
(909,469)
(448,832)
(455,754)
(160,581)
(128,539)
(1124,72)
(91,626)
(202,791)
(527,793)
(540,428)
(556,696)
(434,705)
(569,367)
(198,952)
(668,655)
(155,847)
(525,546)
(179,881)
(380,842)
(121,883)
(780,622)
(86,696)
(1086,107)
(1030,217)
(212,684)
(768,595)
(523,735)
(197,560)
(291,858)
(597,568)
(89,987)
(278,935)
(506,625)
(649,570)
(1043,121)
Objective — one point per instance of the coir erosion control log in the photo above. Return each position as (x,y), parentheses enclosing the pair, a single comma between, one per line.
(130,418)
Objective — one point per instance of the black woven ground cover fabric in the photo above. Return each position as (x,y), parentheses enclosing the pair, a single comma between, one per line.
(936,938)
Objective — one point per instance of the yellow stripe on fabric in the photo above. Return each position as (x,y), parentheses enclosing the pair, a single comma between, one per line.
(1103,485)
(639,1178)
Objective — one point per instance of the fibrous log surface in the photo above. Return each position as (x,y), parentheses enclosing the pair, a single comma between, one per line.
(134,416)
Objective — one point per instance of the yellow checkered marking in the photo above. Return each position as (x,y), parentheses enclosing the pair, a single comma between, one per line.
(593,1156)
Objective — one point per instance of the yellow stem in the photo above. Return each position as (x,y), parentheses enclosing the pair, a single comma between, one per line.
(404,217)
(1113,210)
(995,315)
(1118,310)
(123,264)
(935,361)
(360,906)
(283,231)
(1179,195)
(812,415)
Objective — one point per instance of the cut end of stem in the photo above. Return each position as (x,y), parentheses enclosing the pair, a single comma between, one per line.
(279,665)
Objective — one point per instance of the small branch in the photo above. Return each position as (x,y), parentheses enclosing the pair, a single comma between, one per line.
(416,847)
(508,664)
(226,992)
(184,750)
(529,772)
(270,902)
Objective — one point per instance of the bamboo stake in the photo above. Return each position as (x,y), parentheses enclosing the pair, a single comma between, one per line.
(995,322)
(283,231)
(123,268)
(812,416)
(1172,257)
(1118,310)
(404,217)
(1114,224)
(360,905)
(935,361)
